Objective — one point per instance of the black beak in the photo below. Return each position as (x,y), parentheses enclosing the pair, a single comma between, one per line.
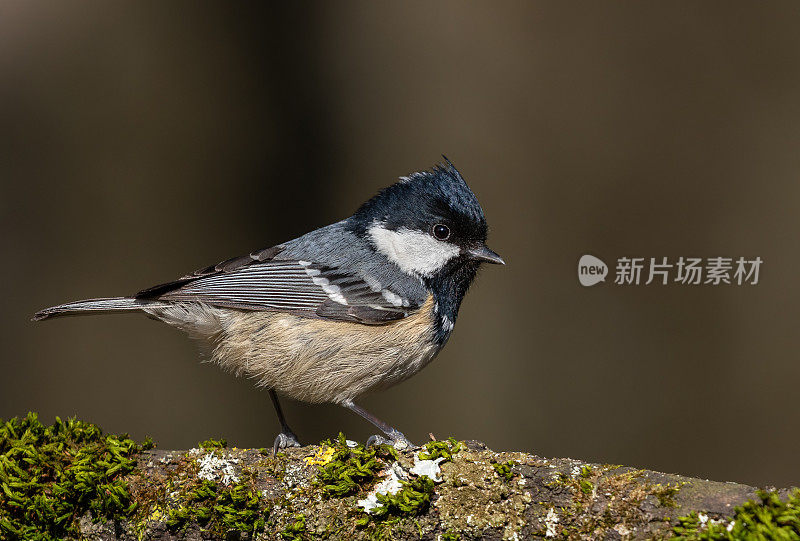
(482,253)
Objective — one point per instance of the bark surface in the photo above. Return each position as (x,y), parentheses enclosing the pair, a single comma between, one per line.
(477,494)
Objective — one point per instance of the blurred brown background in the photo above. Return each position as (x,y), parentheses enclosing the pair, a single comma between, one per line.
(142,141)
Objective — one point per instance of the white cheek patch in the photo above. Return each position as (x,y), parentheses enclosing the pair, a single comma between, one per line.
(414,252)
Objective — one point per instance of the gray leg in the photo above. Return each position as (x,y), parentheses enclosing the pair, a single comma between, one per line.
(286,438)
(395,437)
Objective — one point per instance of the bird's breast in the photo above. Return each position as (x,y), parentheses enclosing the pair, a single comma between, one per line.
(317,360)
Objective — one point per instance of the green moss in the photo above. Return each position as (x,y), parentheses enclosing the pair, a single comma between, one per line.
(560,479)
(771,518)
(295,530)
(379,531)
(220,510)
(450,535)
(351,468)
(504,470)
(586,471)
(413,499)
(210,445)
(586,486)
(666,494)
(51,476)
(444,448)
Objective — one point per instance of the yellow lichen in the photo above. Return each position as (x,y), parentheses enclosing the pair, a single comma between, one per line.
(322,457)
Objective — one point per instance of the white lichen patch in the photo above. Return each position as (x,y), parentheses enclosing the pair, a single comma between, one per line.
(213,468)
(390,485)
(551,523)
(705,522)
(622,530)
(429,468)
(395,473)
(294,476)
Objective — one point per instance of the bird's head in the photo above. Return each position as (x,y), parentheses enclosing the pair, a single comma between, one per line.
(429,224)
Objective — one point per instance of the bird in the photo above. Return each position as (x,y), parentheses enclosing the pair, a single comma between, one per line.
(348,309)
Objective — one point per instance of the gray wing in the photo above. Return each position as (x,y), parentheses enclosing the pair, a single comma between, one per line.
(303,287)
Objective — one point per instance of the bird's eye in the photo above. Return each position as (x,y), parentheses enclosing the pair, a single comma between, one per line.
(441,232)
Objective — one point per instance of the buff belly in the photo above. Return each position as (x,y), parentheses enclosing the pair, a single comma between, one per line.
(315,360)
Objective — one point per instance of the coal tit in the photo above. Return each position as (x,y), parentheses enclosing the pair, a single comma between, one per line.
(347,309)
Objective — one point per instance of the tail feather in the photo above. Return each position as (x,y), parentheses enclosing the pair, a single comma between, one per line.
(93,306)
(195,318)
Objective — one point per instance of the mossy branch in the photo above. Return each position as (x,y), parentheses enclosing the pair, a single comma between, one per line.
(72,481)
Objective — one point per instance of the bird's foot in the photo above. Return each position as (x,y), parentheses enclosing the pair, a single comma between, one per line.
(396,440)
(284,440)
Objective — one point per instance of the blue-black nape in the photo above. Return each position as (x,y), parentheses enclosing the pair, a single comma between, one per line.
(423,199)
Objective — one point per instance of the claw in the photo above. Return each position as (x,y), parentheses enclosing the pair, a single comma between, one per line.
(398,441)
(284,440)
(377,439)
